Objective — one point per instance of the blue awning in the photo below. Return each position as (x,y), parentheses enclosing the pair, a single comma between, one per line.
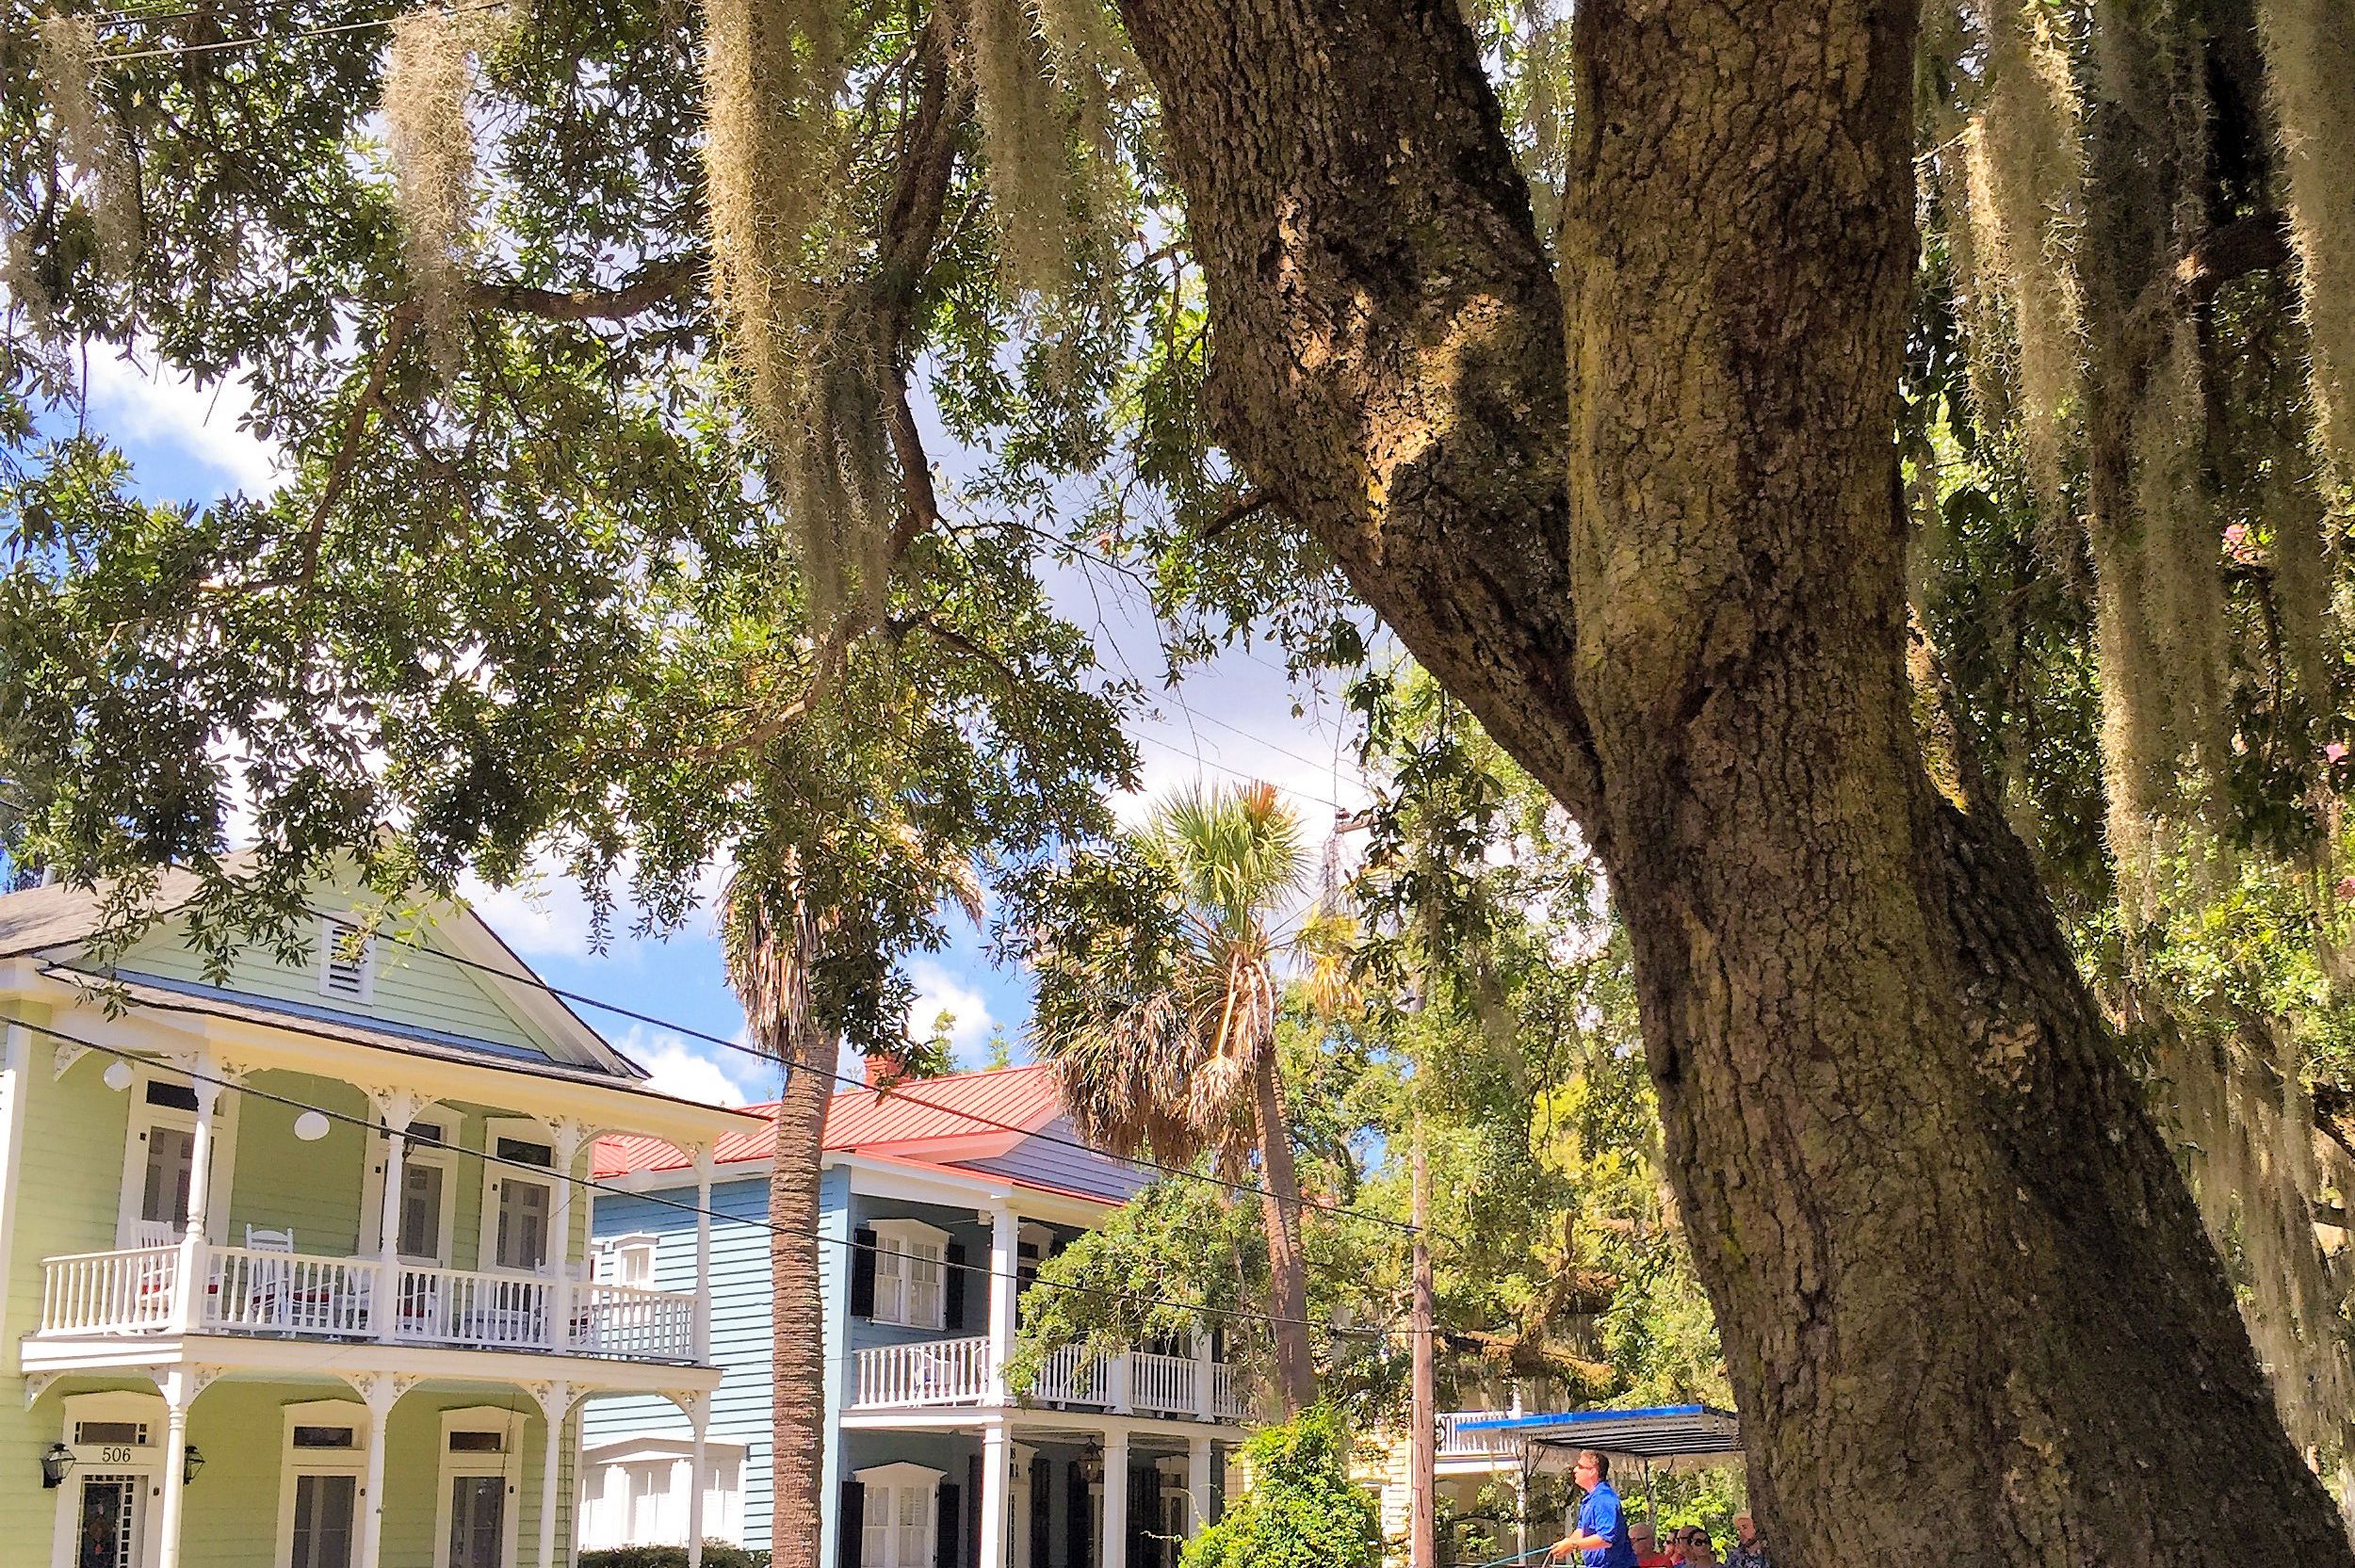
(1671,1431)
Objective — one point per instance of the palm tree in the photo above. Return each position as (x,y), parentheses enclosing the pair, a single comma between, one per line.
(1163,1036)
(775,943)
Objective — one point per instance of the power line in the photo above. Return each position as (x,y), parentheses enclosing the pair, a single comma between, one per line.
(899,1092)
(590,1183)
(162,51)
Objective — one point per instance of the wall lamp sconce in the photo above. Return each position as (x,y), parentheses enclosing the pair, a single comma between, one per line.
(54,1465)
(190,1463)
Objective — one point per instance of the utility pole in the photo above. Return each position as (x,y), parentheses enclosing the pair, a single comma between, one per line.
(1424,1451)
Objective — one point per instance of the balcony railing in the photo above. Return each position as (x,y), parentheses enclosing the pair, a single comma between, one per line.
(251,1290)
(1454,1443)
(930,1372)
(961,1373)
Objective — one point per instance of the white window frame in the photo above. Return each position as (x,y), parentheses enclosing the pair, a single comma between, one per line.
(295,1462)
(507,1463)
(144,1460)
(328,942)
(896,1238)
(496,1175)
(612,1257)
(890,1480)
(452,1124)
(142,1118)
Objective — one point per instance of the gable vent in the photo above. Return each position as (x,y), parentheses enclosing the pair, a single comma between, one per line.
(344,966)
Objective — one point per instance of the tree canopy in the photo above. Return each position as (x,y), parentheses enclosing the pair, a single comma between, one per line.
(1883,469)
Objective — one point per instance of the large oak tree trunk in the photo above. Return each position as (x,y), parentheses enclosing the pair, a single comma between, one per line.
(1966,1305)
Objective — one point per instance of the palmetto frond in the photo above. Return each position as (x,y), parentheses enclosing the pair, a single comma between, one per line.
(1156,1050)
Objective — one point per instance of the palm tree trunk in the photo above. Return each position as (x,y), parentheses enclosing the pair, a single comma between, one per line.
(1279,1209)
(771,975)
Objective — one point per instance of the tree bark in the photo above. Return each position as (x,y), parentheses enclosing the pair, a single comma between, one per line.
(771,958)
(1280,1212)
(1966,1303)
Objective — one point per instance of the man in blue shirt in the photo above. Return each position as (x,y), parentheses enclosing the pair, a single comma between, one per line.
(1601,1532)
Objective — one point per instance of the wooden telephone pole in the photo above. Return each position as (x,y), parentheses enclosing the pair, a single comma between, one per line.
(1423,1450)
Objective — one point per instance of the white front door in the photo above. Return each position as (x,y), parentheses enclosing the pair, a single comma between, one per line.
(522,1224)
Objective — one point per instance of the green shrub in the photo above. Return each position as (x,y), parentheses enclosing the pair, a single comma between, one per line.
(1302,1510)
(716,1554)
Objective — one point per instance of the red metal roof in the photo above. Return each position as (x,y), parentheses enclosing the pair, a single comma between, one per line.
(929,1120)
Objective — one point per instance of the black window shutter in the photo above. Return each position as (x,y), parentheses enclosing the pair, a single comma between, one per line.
(1079,1518)
(948,1540)
(952,1306)
(973,1515)
(862,1273)
(1042,1486)
(851,1547)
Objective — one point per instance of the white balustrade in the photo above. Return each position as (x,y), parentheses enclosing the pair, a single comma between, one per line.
(1454,1443)
(120,1292)
(452,1306)
(625,1320)
(1162,1385)
(249,1287)
(1069,1376)
(258,1291)
(1228,1402)
(929,1372)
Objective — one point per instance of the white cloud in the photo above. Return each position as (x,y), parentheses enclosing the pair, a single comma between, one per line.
(937,991)
(145,409)
(681,1067)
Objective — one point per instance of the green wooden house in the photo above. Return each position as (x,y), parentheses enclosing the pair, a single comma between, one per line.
(291,1260)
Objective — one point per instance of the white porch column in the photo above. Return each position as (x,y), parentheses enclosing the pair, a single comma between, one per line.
(179,1387)
(1197,1486)
(995,1479)
(556,1404)
(699,1420)
(189,1310)
(1005,1258)
(378,1392)
(395,1110)
(702,1258)
(1205,1378)
(568,1137)
(1114,1546)
(16,1091)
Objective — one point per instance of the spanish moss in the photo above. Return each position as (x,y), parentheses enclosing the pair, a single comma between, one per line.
(2310,51)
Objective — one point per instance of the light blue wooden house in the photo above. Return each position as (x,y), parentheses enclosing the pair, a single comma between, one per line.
(939,1199)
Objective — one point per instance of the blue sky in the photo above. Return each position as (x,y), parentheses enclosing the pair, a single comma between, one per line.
(1231,720)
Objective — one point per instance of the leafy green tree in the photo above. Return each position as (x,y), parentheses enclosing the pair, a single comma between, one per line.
(1302,1510)
(1591,405)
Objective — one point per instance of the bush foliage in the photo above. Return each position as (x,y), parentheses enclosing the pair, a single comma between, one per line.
(1302,1510)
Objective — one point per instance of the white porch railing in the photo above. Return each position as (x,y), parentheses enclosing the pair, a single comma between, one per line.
(249,1289)
(959,1372)
(257,1291)
(1071,1376)
(1454,1443)
(453,1306)
(122,1292)
(1227,1399)
(625,1320)
(930,1372)
(1162,1385)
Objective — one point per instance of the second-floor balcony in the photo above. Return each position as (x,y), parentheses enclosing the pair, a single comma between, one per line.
(928,1374)
(180,1288)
